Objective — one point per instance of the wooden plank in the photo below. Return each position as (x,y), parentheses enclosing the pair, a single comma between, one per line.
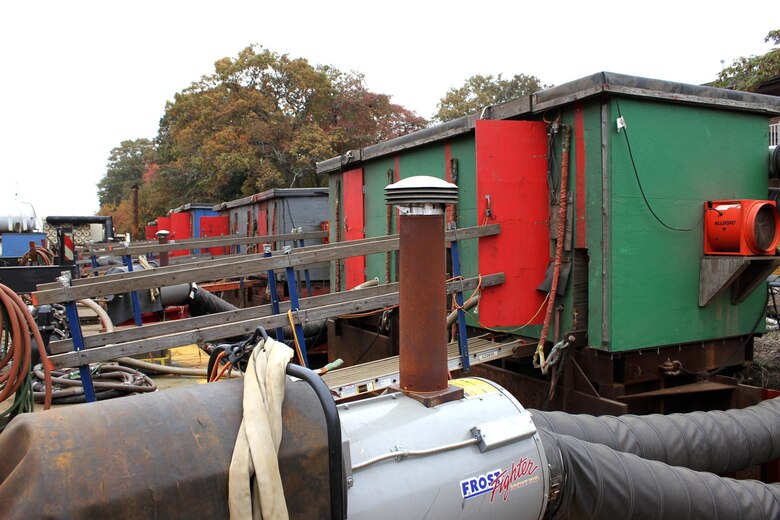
(457,234)
(201,243)
(250,265)
(232,328)
(219,260)
(212,320)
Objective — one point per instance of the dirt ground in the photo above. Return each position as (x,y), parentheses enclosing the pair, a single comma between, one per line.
(766,360)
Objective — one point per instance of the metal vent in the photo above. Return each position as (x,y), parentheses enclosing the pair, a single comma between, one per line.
(422,189)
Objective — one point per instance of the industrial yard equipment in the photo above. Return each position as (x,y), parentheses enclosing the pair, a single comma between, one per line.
(741,227)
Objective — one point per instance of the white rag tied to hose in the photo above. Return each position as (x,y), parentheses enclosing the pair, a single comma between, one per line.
(254,483)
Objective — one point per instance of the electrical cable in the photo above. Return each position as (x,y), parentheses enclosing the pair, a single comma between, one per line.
(361,356)
(538,358)
(639,183)
(403,454)
(512,330)
(104,377)
(368,313)
(213,367)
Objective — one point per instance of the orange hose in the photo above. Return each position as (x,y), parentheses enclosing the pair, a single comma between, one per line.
(221,372)
(560,238)
(22,325)
(216,366)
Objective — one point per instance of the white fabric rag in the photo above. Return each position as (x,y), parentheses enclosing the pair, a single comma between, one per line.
(254,483)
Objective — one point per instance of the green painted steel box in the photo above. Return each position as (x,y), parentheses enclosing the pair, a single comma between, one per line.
(636,202)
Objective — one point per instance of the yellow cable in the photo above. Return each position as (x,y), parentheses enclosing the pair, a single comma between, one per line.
(516,329)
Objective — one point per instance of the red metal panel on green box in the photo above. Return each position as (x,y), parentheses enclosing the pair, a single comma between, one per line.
(512,172)
(262,219)
(354,224)
(151,232)
(164,224)
(181,229)
(215,227)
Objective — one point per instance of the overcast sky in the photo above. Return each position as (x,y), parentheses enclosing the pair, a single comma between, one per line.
(79,77)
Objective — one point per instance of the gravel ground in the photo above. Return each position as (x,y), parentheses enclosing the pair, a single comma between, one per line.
(766,359)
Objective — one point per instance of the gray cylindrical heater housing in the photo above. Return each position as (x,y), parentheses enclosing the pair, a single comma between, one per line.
(505,475)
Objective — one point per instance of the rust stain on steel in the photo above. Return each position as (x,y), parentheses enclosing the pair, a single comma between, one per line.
(159,455)
(422,309)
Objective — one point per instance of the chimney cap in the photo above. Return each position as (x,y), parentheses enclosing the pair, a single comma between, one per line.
(421,189)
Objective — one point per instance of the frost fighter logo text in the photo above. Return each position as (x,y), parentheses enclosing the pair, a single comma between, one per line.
(524,467)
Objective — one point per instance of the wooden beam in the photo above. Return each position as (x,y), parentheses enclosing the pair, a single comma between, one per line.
(209,262)
(201,243)
(221,318)
(217,332)
(250,265)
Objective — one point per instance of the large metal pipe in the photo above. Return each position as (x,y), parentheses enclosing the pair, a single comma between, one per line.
(159,455)
(423,361)
(422,267)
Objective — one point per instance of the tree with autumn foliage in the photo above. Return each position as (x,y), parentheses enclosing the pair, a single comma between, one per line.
(262,120)
(127,165)
(481,91)
(748,73)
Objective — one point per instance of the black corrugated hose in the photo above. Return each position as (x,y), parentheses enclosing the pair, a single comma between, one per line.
(716,441)
(605,484)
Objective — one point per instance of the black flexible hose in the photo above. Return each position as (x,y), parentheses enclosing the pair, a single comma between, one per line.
(716,441)
(604,484)
(333,423)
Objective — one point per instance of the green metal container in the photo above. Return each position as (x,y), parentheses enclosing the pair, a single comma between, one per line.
(634,282)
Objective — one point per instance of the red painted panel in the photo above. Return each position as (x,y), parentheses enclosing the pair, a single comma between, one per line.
(352,189)
(164,224)
(215,227)
(151,232)
(262,219)
(181,229)
(512,170)
(579,158)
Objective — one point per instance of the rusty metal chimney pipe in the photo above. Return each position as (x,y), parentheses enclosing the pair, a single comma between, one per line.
(421,203)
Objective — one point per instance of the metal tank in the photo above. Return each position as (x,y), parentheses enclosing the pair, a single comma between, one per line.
(479,457)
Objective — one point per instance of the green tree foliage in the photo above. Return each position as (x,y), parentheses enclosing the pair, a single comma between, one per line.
(126,165)
(261,121)
(748,73)
(481,91)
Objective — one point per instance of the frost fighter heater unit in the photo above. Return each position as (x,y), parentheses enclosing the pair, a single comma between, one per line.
(741,227)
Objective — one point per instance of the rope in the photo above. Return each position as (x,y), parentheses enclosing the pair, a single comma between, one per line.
(555,356)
